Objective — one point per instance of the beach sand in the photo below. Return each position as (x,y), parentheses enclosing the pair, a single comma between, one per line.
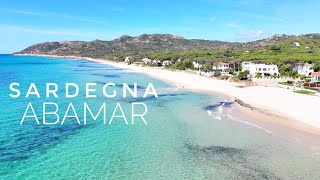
(277,101)
(288,114)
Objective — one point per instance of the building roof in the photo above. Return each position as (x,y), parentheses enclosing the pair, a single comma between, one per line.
(304,64)
(258,64)
(316,74)
(223,63)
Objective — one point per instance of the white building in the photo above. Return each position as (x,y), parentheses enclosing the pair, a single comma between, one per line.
(221,66)
(146,60)
(196,65)
(296,44)
(264,69)
(315,77)
(304,69)
(127,59)
(166,63)
(156,62)
(206,74)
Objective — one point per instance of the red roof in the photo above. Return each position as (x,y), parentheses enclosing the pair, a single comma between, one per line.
(316,74)
(223,63)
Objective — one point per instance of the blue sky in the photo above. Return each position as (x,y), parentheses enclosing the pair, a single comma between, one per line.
(23,23)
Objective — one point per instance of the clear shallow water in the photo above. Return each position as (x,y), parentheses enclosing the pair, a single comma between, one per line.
(181,141)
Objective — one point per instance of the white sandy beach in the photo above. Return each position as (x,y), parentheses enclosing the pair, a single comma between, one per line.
(270,100)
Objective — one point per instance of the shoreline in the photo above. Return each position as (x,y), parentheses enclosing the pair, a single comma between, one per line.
(255,102)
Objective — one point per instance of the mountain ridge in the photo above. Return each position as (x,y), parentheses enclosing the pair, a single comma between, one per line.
(153,43)
(144,42)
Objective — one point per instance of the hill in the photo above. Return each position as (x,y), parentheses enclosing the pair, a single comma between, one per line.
(145,42)
(283,50)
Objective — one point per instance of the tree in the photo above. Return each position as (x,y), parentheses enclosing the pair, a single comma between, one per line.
(243,75)
(258,75)
(188,64)
(285,69)
(201,60)
(216,73)
(316,66)
(207,67)
(275,48)
(179,65)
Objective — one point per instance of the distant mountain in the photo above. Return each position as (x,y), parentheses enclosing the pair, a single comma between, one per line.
(145,42)
(280,38)
(150,42)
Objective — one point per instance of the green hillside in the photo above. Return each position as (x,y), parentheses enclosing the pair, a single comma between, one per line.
(279,49)
(308,51)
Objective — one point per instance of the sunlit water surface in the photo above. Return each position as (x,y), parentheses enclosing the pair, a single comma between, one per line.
(188,135)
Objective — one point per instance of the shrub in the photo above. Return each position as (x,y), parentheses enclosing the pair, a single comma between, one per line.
(216,73)
(304,92)
(258,75)
(243,75)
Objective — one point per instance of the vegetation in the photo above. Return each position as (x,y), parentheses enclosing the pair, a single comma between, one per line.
(258,75)
(216,73)
(207,67)
(304,92)
(281,50)
(243,75)
(179,65)
(290,83)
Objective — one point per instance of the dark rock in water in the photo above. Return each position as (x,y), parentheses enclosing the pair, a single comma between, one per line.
(94,68)
(215,150)
(213,106)
(131,86)
(121,85)
(82,70)
(106,75)
(239,163)
(154,98)
(36,140)
(91,65)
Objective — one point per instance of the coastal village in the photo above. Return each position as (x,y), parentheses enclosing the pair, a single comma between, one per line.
(286,61)
(306,82)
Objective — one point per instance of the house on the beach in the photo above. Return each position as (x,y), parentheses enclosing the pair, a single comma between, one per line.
(166,63)
(146,60)
(315,77)
(304,69)
(222,67)
(196,65)
(156,63)
(127,59)
(264,69)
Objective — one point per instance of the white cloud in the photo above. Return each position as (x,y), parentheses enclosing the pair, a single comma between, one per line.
(250,36)
(233,25)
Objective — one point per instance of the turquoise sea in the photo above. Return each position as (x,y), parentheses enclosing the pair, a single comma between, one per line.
(188,136)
